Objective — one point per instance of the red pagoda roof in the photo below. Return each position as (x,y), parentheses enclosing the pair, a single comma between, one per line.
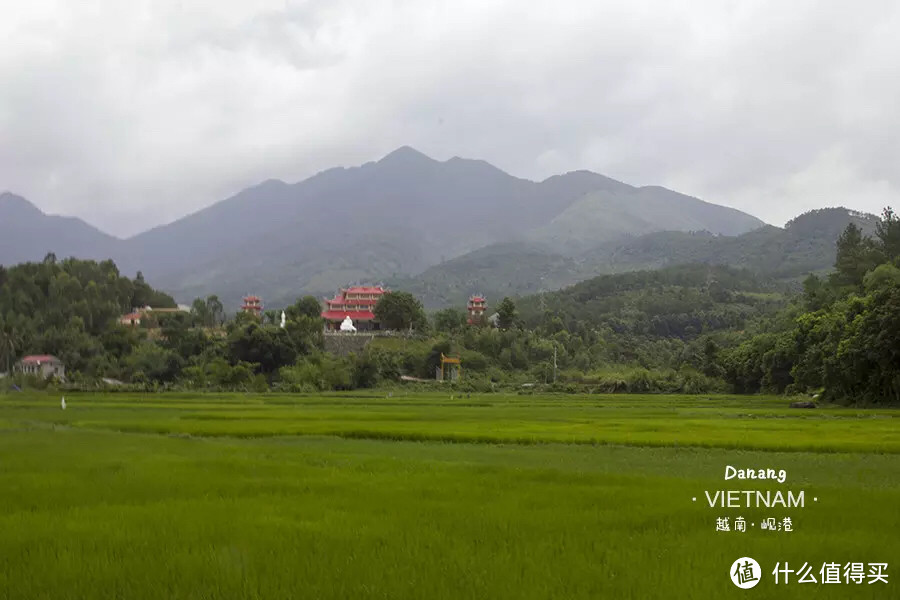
(341,298)
(367,301)
(356,315)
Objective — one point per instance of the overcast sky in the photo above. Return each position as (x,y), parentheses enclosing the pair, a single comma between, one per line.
(131,114)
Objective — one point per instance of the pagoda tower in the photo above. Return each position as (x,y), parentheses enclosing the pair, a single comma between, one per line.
(476,307)
(252,305)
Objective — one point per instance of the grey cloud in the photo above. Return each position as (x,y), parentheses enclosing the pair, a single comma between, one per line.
(132,117)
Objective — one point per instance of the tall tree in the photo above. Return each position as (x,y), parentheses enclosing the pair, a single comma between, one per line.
(9,341)
(268,347)
(400,310)
(449,320)
(888,232)
(856,255)
(306,306)
(507,314)
(215,311)
(209,312)
(200,312)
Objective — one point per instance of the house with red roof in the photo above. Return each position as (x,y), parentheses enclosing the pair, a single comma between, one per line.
(42,365)
(132,319)
(357,302)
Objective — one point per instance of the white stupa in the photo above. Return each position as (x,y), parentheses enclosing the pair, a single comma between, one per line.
(347,324)
(283,319)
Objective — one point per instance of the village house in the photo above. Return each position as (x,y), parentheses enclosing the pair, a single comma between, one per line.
(132,319)
(43,365)
(358,303)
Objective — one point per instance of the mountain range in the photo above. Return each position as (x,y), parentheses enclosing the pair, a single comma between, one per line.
(441,228)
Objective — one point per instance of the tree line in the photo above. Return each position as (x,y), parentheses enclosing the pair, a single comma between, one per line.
(688,328)
(841,336)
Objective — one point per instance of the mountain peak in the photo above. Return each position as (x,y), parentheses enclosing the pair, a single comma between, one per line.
(12,205)
(405,154)
(830,222)
(589,180)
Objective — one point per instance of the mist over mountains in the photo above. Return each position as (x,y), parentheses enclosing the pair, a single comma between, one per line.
(443,229)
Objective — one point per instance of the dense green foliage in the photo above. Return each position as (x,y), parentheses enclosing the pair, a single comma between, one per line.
(656,331)
(71,308)
(677,302)
(359,496)
(399,311)
(68,308)
(507,313)
(451,320)
(842,337)
(650,331)
(209,312)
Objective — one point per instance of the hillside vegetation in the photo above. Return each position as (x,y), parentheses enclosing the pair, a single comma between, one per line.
(610,215)
(805,245)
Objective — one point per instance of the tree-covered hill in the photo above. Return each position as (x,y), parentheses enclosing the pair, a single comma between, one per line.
(842,337)
(68,308)
(680,302)
(607,216)
(498,270)
(805,245)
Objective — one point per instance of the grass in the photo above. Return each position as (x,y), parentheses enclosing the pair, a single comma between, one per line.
(360,496)
(759,423)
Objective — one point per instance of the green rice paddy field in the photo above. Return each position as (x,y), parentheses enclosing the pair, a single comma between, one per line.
(428,496)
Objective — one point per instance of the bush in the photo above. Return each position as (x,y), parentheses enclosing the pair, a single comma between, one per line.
(322,372)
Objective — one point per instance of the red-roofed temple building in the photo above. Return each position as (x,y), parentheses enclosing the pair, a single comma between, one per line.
(476,307)
(357,302)
(252,305)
